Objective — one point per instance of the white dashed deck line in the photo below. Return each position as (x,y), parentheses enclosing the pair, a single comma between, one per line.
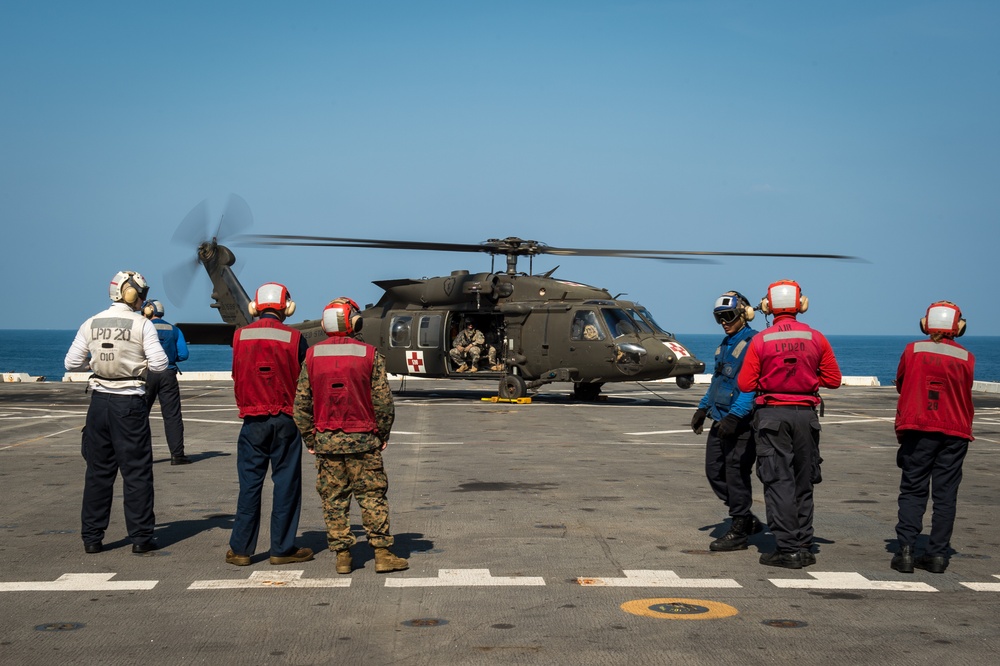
(77,582)
(983,587)
(267,579)
(651,578)
(464,578)
(847,580)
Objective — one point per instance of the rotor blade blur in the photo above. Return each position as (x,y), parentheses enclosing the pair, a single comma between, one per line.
(193,229)
(236,218)
(326,241)
(662,254)
(177,281)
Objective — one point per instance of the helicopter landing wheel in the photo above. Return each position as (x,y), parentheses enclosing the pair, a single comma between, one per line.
(587,392)
(513,387)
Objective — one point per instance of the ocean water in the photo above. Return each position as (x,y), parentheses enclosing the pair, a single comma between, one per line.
(41,353)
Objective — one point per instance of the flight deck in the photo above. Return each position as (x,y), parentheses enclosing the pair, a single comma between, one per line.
(555,532)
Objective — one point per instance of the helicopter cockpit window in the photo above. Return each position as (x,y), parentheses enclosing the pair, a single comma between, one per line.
(652,322)
(400,332)
(640,323)
(429,331)
(586,327)
(618,321)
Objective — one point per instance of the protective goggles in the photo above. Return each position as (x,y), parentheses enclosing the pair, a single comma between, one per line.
(726,316)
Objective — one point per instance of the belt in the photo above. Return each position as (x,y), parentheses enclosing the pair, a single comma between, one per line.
(812,407)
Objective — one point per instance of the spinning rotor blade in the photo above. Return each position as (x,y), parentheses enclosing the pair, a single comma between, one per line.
(193,229)
(514,247)
(236,218)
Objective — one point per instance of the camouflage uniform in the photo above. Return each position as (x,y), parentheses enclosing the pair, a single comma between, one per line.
(473,341)
(350,462)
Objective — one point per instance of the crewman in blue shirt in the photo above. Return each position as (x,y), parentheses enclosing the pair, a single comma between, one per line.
(729,452)
(163,385)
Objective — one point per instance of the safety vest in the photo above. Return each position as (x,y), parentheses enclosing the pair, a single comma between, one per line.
(723,391)
(265,367)
(117,356)
(934,381)
(340,375)
(789,353)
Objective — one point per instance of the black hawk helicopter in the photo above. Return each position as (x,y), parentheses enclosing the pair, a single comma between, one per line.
(543,329)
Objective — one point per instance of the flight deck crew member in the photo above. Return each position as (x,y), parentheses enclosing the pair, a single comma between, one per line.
(267,355)
(786,365)
(344,410)
(163,385)
(122,346)
(934,428)
(729,451)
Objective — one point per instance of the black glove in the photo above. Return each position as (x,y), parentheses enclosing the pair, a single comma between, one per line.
(698,421)
(727,427)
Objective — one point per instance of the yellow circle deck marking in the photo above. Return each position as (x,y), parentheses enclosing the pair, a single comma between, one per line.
(687,609)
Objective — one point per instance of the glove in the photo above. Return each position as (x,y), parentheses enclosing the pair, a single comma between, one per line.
(727,427)
(698,421)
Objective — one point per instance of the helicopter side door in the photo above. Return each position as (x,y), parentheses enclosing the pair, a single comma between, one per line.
(587,343)
(417,344)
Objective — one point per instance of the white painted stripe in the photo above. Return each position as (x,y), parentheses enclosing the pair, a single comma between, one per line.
(651,578)
(848,580)
(464,578)
(983,587)
(663,432)
(88,582)
(259,580)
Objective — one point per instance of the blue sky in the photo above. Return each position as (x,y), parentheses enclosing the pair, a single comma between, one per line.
(859,128)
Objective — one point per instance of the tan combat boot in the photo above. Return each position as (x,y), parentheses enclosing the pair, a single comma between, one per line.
(473,369)
(386,561)
(344,563)
(462,368)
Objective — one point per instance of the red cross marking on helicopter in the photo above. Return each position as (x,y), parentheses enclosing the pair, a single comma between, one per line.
(415,361)
(678,349)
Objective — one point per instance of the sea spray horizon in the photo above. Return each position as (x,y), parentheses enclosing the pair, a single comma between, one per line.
(41,353)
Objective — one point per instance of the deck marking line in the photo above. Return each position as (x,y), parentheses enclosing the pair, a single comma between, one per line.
(652,578)
(848,580)
(270,579)
(77,582)
(464,578)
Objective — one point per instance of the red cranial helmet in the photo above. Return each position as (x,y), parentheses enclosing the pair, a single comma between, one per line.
(943,317)
(784,297)
(272,296)
(341,317)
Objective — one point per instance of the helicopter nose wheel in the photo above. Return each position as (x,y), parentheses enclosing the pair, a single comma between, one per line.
(513,387)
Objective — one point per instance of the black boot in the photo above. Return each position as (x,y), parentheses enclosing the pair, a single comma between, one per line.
(902,561)
(933,563)
(736,537)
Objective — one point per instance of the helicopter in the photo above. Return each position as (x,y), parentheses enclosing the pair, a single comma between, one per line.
(543,329)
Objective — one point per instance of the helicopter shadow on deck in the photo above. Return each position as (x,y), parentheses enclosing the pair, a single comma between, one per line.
(549,397)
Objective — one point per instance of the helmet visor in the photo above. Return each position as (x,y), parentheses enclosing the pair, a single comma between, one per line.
(726,316)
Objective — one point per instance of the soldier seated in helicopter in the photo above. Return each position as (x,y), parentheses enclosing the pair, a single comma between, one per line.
(467,347)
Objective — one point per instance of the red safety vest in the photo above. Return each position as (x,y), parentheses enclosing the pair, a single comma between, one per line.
(265,367)
(786,361)
(340,375)
(934,381)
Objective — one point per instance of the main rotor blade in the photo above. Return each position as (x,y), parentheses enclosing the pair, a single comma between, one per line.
(516,246)
(177,281)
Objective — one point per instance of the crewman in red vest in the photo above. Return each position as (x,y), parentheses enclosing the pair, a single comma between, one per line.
(934,428)
(266,360)
(786,365)
(344,410)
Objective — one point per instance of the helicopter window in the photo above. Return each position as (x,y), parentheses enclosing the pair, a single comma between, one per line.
(400,328)
(652,322)
(639,323)
(429,333)
(586,327)
(618,321)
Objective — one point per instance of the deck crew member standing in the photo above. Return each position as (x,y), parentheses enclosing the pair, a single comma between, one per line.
(163,386)
(122,346)
(266,360)
(786,365)
(934,428)
(729,450)
(344,409)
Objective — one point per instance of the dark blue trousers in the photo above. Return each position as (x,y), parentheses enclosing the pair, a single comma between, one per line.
(117,438)
(728,465)
(268,441)
(932,465)
(788,464)
(163,386)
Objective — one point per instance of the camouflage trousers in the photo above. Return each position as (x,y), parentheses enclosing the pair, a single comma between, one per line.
(473,353)
(338,476)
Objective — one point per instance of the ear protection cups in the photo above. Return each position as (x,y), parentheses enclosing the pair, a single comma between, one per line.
(128,287)
(733,302)
(748,311)
(943,317)
(272,296)
(784,297)
(341,317)
(148,309)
